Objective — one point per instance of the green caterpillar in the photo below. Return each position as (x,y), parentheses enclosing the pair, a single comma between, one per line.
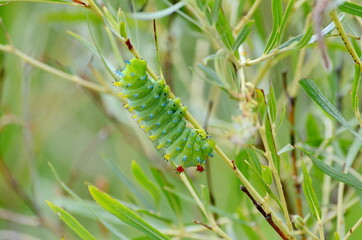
(162,118)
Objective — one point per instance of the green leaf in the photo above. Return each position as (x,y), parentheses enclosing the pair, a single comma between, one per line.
(249,155)
(125,214)
(243,34)
(270,142)
(305,38)
(302,37)
(287,13)
(351,8)
(355,86)
(267,175)
(272,105)
(71,222)
(146,182)
(260,179)
(172,199)
(277,13)
(335,173)
(128,183)
(286,148)
(211,75)
(313,91)
(215,11)
(157,14)
(96,214)
(310,194)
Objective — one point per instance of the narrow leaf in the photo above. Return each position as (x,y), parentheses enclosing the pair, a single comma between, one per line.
(335,173)
(306,38)
(86,206)
(71,222)
(355,86)
(310,194)
(267,175)
(313,91)
(286,148)
(157,14)
(249,155)
(243,34)
(272,105)
(125,214)
(351,8)
(215,11)
(277,13)
(145,181)
(128,183)
(260,179)
(162,182)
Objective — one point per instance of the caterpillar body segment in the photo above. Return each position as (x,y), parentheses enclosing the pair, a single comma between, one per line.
(163,118)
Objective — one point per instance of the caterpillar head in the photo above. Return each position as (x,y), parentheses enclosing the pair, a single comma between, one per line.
(135,69)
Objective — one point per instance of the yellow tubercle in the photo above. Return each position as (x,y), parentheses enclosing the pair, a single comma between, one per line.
(160,146)
(117,84)
(153,137)
(202,133)
(126,106)
(142,126)
(134,116)
(167,156)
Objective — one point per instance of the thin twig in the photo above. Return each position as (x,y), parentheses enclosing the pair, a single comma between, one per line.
(344,37)
(47,68)
(352,229)
(291,117)
(267,216)
(247,17)
(214,227)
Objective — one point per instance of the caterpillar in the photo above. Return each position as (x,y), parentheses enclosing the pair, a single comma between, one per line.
(163,118)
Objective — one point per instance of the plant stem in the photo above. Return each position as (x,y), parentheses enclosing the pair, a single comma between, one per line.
(214,227)
(340,218)
(321,230)
(246,17)
(266,215)
(275,171)
(292,136)
(351,230)
(307,231)
(344,37)
(47,68)
(254,194)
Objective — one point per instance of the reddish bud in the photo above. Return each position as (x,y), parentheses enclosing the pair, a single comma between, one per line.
(81,2)
(200,168)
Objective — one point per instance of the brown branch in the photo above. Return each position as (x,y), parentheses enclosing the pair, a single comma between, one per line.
(267,216)
(291,118)
(202,224)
